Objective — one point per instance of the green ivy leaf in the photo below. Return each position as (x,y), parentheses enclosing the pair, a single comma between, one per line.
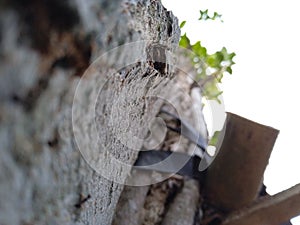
(199,50)
(219,62)
(215,60)
(214,139)
(211,91)
(227,56)
(229,70)
(204,15)
(217,16)
(184,41)
(182,24)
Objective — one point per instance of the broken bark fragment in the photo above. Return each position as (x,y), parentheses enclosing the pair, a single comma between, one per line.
(235,176)
(269,210)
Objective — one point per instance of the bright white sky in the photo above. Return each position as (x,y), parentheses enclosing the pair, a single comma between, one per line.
(264,86)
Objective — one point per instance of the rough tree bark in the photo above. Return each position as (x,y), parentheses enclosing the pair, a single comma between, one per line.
(67,128)
(45,48)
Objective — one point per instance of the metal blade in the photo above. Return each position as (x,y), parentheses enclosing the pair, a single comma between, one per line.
(169,162)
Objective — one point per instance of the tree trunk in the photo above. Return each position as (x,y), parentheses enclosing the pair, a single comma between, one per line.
(49,171)
(81,86)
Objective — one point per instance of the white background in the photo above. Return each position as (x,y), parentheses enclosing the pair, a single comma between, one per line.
(264,86)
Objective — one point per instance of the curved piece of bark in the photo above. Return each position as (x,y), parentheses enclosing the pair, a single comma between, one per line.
(235,177)
(269,210)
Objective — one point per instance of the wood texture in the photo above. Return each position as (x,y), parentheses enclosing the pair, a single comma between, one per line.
(269,210)
(45,47)
(235,176)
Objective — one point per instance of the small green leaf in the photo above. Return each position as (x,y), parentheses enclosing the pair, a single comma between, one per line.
(217,16)
(210,68)
(229,70)
(184,41)
(214,139)
(215,60)
(204,15)
(211,91)
(182,24)
(200,51)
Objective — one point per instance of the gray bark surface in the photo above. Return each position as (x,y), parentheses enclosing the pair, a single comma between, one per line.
(172,200)
(185,205)
(45,48)
(74,109)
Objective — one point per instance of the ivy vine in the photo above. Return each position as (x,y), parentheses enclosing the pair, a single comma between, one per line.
(210,67)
